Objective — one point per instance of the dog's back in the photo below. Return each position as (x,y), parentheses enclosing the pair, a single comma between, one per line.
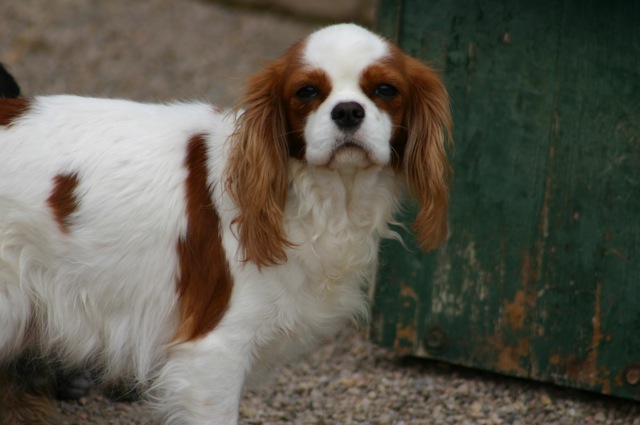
(86,195)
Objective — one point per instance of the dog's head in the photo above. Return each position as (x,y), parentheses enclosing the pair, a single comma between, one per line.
(341,98)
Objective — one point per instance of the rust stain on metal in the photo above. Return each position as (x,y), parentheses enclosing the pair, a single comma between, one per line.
(548,183)
(514,356)
(509,358)
(544,212)
(581,371)
(619,254)
(515,312)
(408,291)
(405,339)
(406,334)
(525,299)
(586,370)
(592,370)
(528,273)
(531,268)
(597,336)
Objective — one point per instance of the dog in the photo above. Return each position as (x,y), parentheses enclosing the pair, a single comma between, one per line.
(188,249)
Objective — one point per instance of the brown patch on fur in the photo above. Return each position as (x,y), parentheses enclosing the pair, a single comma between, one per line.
(12,109)
(390,72)
(256,176)
(297,109)
(24,404)
(63,200)
(204,282)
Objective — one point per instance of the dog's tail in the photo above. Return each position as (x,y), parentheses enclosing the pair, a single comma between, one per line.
(8,85)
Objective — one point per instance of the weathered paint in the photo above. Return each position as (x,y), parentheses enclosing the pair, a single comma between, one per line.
(539,277)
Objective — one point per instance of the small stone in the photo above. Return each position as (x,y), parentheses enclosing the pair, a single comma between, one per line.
(347,382)
(475,409)
(463,389)
(545,400)
(599,417)
(495,419)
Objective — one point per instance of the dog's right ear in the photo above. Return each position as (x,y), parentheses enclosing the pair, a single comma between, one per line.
(256,175)
(8,86)
(426,167)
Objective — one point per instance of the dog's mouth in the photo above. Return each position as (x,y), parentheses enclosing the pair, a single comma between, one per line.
(350,153)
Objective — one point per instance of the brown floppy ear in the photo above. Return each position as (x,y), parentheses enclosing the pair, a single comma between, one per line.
(426,167)
(256,175)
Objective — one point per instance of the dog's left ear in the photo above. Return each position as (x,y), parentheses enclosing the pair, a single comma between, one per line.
(256,175)
(426,167)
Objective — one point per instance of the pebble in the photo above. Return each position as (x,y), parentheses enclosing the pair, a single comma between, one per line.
(545,399)
(393,390)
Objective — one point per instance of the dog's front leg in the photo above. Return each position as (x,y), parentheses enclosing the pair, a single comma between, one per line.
(202,382)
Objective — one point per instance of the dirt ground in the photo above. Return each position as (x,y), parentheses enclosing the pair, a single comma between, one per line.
(152,50)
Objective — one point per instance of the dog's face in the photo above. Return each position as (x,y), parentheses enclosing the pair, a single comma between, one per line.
(345,98)
(341,98)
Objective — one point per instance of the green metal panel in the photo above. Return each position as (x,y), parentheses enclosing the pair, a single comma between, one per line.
(539,277)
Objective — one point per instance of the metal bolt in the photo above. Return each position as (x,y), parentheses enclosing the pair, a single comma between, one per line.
(632,375)
(436,339)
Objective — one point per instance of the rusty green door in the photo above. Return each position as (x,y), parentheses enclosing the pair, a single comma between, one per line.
(540,275)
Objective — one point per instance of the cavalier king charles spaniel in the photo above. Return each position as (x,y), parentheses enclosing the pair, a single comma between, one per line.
(187,249)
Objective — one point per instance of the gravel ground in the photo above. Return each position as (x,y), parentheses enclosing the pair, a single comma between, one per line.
(351,381)
(161,50)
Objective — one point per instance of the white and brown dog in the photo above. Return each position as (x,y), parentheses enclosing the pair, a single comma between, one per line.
(188,249)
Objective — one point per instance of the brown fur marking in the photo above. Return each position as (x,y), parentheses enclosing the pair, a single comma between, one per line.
(256,176)
(204,281)
(426,167)
(12,109)
(63,200)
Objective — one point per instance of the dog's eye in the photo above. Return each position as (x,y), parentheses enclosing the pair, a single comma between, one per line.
(386,91)
(307,93)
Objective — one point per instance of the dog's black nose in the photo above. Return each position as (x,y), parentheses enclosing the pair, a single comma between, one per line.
(348,115)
